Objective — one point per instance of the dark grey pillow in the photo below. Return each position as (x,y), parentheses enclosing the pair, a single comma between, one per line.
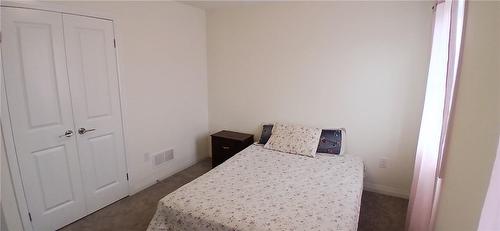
(266,133)
(330,141)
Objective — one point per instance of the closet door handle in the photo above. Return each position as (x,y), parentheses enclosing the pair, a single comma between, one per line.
(82,131)
(67,133)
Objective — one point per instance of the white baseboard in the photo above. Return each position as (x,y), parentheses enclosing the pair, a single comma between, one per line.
(159,174)
(145,182)
(386,190)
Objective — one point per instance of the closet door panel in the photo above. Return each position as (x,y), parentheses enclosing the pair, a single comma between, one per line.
(39,103)
(94,72)
(96,105)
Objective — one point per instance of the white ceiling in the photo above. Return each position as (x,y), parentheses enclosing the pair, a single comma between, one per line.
(208,5)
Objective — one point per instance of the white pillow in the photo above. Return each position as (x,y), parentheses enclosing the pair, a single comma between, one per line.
(295,139)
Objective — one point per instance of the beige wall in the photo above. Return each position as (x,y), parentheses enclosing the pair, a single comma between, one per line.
(476,123)
(358,65)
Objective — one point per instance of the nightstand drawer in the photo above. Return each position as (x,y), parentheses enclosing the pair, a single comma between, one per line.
(222,149)
(226,144)
(223,145)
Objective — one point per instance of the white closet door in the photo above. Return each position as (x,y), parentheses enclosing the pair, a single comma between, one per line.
(39,103)
(96,105)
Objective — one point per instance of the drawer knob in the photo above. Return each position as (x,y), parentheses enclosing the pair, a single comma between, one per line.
(225,147)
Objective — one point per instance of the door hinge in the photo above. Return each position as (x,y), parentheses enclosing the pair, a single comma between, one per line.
(0,37)
(127,176)
(29,215)
(114,43)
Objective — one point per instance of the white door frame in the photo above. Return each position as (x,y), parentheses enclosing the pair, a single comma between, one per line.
(5,114)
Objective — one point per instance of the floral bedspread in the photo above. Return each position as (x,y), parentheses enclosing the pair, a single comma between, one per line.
(261,189)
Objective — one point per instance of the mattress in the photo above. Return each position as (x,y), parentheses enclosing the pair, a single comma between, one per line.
(261,189)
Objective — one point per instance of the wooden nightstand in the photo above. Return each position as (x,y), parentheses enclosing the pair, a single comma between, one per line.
(227,143)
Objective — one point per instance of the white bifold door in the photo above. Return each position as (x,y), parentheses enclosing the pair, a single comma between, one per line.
(63,98)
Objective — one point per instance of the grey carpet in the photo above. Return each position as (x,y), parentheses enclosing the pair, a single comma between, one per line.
(378,212)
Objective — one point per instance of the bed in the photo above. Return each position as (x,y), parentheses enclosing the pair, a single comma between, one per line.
(261,189)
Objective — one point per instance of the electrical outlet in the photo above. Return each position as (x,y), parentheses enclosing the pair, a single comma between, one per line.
(382,163)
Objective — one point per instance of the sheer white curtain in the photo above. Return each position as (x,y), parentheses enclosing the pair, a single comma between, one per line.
(431,148)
